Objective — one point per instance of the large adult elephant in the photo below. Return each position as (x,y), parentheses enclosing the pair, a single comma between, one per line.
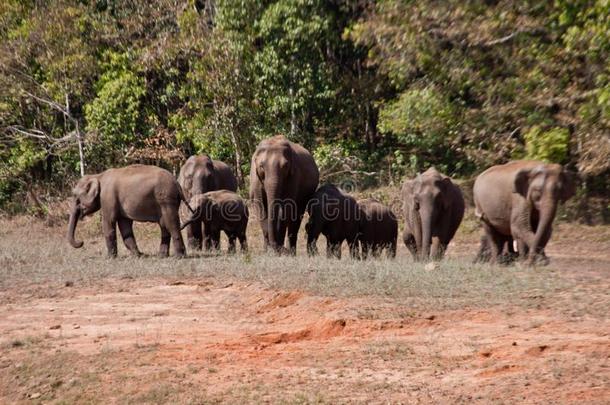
(283,177)
(519,199)
(133,193)
(433,207)
(199,175)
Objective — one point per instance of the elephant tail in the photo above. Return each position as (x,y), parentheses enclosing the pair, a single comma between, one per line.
(183,199)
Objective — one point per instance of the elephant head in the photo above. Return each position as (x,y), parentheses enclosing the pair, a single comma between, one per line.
(543,187)
(430,200)
(275,169)
(198,176)
(86,202)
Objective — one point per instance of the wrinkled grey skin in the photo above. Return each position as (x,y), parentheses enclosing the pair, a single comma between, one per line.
(334,214)
(433,207)
(283,177)
(198,175)
(378,228)
(133,193)
(221,210)
(519,199)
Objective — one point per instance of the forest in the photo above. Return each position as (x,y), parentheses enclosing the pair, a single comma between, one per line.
(375,89)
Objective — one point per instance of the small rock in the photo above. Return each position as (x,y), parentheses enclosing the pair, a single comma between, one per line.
(431,266)
(69,283)
(55,327)
(76,326)
(35,395)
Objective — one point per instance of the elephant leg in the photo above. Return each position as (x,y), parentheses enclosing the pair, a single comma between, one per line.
(365,250)
(328,248)
(208,237)
(484,253)
(243,242)
(293,233)
(391,250)
(265,230)
(333,248)
(126,229)
(215,239)
(166,238)
(312,241)
(409,239)
(495,241)
(353,250)
(170,221)
(337,249)
(232,238)
(194,235)
(376,250)
(109,229)
(437,249)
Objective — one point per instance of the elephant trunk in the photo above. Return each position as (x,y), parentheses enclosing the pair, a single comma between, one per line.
(74,216)
(274,210)
(426,225)
(417,233)
(195,216)
(547,214)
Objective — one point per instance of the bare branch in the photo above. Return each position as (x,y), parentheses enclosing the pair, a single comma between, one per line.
(510,37)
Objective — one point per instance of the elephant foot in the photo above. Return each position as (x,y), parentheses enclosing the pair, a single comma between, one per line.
(136,253)
(194,245)
(507,258)
(538,260)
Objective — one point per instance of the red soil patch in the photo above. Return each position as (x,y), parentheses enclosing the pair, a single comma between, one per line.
(311,342)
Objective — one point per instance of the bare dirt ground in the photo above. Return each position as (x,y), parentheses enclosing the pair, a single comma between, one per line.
(76,327)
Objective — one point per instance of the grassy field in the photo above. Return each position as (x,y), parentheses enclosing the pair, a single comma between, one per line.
(259,328)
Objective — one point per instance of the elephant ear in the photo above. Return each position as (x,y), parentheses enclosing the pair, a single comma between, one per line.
(92,189)
(568,185)
(522,180)
(445,185)
(524,177)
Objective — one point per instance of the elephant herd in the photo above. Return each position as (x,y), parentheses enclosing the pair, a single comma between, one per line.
(516,202)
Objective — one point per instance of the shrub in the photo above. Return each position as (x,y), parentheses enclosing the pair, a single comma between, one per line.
(549,146)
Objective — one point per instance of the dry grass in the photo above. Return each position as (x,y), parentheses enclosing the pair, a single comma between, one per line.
(42,256)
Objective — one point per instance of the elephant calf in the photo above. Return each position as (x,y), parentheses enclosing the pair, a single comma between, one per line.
(518,200)
(221,210)
(334,214)
(378,228)
(133,193)
(433,207)
(198,175)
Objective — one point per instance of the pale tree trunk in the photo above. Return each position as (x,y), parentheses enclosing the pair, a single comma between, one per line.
(79,139)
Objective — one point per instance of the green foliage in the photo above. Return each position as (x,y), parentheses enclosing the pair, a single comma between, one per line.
(549,146)
(116,112)
(388,87)
(425,122)
(420,117)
